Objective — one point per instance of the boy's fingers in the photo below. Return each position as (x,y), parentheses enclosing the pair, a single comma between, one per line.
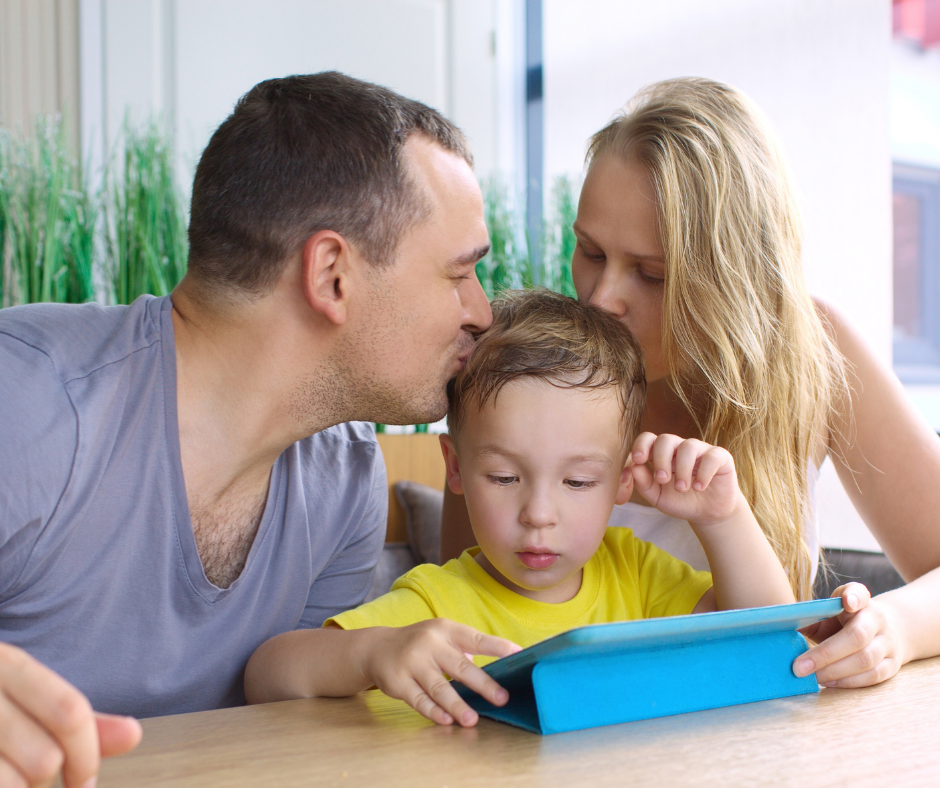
(639,454)
(477,679)
(686,457)
(662,456)
(416,697)
(440,691)
(710,463)
(471,641)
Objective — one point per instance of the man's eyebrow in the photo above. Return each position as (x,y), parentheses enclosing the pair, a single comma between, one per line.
(471,257)
(651,258)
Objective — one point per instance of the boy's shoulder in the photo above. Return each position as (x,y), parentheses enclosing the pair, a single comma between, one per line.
(454,575)
(626,550)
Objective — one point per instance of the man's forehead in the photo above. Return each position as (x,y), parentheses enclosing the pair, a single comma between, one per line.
(435,168)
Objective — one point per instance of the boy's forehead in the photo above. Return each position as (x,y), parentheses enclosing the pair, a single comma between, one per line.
(528,408)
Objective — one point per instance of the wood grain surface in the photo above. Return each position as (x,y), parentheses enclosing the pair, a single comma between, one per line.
(888,735)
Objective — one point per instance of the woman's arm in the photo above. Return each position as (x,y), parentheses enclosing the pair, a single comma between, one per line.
(888,459)
(456,533)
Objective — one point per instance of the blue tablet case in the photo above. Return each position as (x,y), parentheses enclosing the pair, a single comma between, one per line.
(634,670)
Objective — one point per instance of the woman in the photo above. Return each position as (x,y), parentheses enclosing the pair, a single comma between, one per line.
(688,231)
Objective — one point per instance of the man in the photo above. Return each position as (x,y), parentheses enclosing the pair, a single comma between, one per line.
(180,480)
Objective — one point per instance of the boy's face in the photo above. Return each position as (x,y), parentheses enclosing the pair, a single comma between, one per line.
(540,470)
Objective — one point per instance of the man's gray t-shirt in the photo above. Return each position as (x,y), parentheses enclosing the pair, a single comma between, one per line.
(100,578)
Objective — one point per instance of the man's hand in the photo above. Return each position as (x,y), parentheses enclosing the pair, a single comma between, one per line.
(409,663)
(48,726)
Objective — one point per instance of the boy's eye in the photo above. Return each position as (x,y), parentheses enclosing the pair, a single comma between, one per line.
(502,481)
(580,484)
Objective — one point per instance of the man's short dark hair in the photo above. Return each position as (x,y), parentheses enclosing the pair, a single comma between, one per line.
(302,154)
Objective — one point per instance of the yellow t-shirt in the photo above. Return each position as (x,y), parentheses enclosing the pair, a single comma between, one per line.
(625,579)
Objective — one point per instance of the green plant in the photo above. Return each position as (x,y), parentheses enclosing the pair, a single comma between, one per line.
(559,238)
(146,238)
(507,265)
(48,219)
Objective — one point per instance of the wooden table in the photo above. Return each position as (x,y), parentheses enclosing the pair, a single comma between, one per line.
(887,735)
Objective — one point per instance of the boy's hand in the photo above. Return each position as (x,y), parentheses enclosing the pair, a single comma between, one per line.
(409,663)
(685,478)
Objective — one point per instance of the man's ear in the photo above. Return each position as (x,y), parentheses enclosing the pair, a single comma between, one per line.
(325,272)
(452,466)
(625,490)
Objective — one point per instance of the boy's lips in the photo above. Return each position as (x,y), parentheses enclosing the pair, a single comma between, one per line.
(538,560)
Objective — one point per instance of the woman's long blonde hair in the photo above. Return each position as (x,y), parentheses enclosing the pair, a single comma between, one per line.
(748,353)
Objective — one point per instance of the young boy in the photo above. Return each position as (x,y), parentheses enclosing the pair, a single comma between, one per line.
(542,422)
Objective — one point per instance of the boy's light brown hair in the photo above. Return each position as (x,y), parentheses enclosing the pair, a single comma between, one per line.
(547,336)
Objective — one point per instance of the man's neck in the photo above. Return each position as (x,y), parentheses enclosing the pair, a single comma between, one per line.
(236,368)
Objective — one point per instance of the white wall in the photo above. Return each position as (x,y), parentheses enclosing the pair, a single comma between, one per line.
(819,69)
(190,60)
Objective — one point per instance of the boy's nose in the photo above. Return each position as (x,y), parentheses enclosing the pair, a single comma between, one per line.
(539,512)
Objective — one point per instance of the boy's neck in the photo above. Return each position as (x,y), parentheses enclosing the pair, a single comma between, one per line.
(565,591)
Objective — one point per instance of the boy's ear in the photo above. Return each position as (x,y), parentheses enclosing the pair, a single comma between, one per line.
(325,270)
(451,464)
(625,490)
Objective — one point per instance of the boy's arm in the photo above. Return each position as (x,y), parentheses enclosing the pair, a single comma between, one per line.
(692,480)
(745,570)
(408,663)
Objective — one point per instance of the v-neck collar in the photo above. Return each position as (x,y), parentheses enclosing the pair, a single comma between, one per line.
(194,569)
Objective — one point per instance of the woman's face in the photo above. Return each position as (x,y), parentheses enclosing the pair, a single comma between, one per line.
(618,262)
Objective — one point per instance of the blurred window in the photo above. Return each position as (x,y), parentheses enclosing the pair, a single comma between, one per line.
(917,274)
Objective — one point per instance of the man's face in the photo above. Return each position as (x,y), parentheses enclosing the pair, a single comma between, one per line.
(426,307)
(540,468)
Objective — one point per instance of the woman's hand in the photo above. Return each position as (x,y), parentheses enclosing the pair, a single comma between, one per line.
(857,648)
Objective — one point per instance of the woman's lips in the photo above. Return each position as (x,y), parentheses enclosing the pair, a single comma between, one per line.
(537,560)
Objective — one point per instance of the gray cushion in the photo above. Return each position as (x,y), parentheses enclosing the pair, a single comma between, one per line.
(860,566)
(423,506)
(396,559)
